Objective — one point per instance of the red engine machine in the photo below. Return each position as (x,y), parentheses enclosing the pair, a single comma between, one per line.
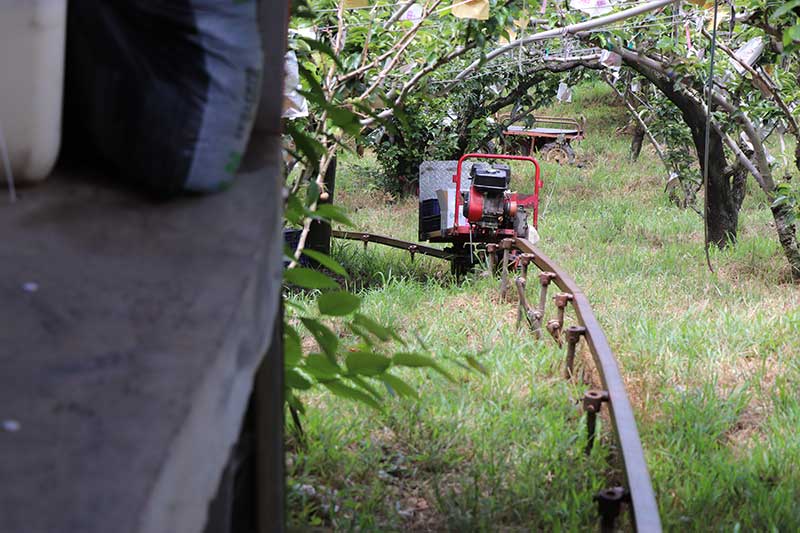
(491,210)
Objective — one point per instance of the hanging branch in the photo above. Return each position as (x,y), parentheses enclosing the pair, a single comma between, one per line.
(397,14)
(410,84)
(766,82)
(641,122)
(407,36)
(761,170)
(572,29)
(398,54)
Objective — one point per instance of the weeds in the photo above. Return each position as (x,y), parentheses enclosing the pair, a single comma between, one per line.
(710,362)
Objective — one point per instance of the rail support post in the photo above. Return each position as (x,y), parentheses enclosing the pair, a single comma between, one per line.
(609,504)
(506,245)
(573,334)
(555,325)
(592,403)
(491,258)
(523,307)
(544,281)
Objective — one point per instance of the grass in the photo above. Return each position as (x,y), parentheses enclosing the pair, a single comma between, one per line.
(709,361)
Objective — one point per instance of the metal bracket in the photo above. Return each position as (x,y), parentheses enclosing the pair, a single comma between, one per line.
(555,325)
(506,245)
(491,257)
(544,281)
(592,403)
(573,334)
(609,503)
(524,308)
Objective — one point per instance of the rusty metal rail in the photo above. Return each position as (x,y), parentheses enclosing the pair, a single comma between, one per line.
(639,487)
(410,247)
(638,492)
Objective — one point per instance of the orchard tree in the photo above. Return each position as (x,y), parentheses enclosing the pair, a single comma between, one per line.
(670,46)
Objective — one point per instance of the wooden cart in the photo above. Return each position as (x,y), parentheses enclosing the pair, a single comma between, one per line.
(550,136)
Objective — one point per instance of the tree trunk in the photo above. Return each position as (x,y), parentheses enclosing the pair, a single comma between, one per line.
(787,236)
(723,207)
(319,236)
(636,141)
(797,153)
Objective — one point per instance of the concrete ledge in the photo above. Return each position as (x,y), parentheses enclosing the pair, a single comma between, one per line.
(129,336)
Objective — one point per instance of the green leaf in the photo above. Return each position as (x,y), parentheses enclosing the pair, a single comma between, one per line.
(413,360)
(361,332)
(416,360)
(477,365)
(312,195)
(340,389)
(295,213)
(397,386)
(327,340)
(381,332)
(361,382)
(326,261)
(784,9)
(344,118)
(335,213)
(338,303)
(294,401)
(366,363)
(309,278)
(320,366)
(322,47)
(295,381)
(315,94)
(308,146)
(792,34)
(373,327)
(292,347)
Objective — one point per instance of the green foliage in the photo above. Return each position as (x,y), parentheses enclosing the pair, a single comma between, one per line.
(442,126)
(349,371)
(788,16)
(709,362)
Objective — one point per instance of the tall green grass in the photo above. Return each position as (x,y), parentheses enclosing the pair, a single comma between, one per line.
(710,362)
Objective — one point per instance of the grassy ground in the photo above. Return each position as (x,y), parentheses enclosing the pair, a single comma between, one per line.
(709,361)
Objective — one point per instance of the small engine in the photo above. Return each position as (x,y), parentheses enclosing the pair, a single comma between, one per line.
(489,204)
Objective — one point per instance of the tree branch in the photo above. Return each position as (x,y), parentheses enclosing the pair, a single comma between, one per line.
(562,32)
(641,122)
(765,82)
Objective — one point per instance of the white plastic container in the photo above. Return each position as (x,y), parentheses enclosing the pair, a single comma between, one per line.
(447,207)
(32,37)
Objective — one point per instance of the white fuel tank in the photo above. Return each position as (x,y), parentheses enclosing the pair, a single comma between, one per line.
(32,40)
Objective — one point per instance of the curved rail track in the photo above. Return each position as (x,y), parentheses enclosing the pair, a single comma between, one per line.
(516,252)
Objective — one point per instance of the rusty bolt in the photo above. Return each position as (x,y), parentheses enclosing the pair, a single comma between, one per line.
(491,248)
(562,298)
(554,328)
(574,333)
(507,244)
(546,277)
(525,259)
(593,400)
(609,503)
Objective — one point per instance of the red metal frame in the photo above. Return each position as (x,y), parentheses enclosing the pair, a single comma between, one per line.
(537,183)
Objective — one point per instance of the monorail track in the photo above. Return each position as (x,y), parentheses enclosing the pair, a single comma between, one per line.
(638,491)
